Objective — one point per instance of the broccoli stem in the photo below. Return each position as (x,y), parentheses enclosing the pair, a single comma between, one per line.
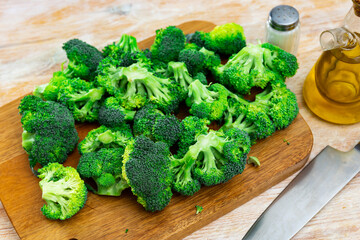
(106,137)
(199,93)
(39,90)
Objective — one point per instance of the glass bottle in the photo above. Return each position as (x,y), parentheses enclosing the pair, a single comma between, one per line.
(332,88)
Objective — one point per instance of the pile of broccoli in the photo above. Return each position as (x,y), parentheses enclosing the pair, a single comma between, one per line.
(135,96)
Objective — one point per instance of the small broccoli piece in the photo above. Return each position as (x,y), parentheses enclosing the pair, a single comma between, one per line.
(201,77)
(279,103)
(199,209)
(198,38)
(194,60)
(213,159)
(179,72)
(126,44)
(49,130)
(279,60)
(248,117)
(104,167)
(82,98)
(112,114)
(207,101)
(254,160)
(50,90)
(135,85)
(63,190)
(167,44)
(225,39)
(199,61)
(191,46)
(105,137)
(146,168)
(152,123)
(83,59)
(191,128)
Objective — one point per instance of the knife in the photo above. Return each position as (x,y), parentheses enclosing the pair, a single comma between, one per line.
(306,194)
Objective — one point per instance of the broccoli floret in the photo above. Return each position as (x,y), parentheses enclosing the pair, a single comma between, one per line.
(213,159)
(248,117)
(255,65)
(83,59)
(135,85)
(191,128)
(167,44)
(201,77)
(279,60)
(50,90)
(82,99)
(194,60)
(49,130)
(126,44)
(198,38)
(207,101)
(226,39)
(152,123)
(191,46)
(199,61)
(279,103)
(104,167)
(146,168)
(105,137)
(182,168)
(179,72)
(246,70)
(212,60)
(112,114)
(63,190)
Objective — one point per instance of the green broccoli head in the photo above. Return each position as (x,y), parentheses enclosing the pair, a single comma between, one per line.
(248,117)
(207,101)
(194,60)
(279,60)
(112,114)
(191,128)
(146,168)
(126,44)
(152,123)
(83,59)
(279,103)
(167,44)
(226,39)
(82,98)
(212,60)
(191,45)
(135,85)
(105,168)
(63,190)
(218,156)
(247,69)
(198,38)
(105,137)
(49,130)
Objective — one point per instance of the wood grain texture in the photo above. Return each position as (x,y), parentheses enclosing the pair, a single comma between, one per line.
(30,50)
(108,217)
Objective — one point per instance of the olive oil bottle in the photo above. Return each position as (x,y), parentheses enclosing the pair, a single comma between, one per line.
(332,88)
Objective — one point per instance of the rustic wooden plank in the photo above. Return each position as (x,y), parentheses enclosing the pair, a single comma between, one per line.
(108,217)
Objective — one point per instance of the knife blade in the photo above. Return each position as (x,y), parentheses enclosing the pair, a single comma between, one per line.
(306,194)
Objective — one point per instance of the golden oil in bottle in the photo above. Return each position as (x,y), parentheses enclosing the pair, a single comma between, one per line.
(332,88)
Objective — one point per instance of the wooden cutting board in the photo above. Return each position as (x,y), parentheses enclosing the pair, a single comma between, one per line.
(109,217)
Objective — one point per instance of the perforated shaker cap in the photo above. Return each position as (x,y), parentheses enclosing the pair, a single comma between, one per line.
(283,18)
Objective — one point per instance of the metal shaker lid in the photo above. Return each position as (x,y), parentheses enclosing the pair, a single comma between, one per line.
(283,18)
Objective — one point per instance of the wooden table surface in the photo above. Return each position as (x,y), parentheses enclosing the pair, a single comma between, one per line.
(32,33)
